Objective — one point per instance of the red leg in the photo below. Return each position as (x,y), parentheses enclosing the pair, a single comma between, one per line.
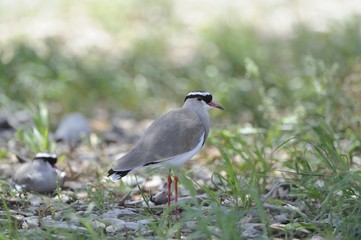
(176,192)
(169,185)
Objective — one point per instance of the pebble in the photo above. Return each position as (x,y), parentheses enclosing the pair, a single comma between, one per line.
(132,225)
(58,216)
(160,198)
(32,221)
(36,201)
(72,129)
(74,220)
(116,212)
(97,224)
(47,222)
(252,230)
(115,225)
(192,225)
(63,198)
(146,221)
(316,237)
(146,204)
(111,229)
(282,218)
(112,221)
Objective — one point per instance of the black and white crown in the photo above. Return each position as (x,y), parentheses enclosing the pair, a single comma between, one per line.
(50,158)
(205,96)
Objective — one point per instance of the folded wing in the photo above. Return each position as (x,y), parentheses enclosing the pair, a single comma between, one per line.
(173,138)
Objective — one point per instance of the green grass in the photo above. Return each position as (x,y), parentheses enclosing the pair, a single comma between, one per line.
(292,117)
(37,137)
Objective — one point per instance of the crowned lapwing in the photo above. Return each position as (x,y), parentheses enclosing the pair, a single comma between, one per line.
(170,140)
(40,175)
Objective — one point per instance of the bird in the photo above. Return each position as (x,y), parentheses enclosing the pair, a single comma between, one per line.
(170,140)
(40,175)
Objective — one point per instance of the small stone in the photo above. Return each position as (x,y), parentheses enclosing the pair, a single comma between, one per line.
(192,225)
(282,218)
(112,221)
(132,225)
(24,225)
(111,214)
(110,229)
(97,224)
(58,216)
(32,221)
(74,220)
(146,221)
(252,230)
(160,198)
(64,198)
(47,222)
(72,129)
(36,201)
(116,212)
(126,212)
(114,225)
(147,204)
(316,237)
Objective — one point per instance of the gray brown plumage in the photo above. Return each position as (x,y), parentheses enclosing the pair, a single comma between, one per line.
(172,139)
(39,175)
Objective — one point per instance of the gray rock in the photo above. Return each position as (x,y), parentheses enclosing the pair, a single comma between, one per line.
(35,201)
(282,218)
(116,212)
(316,237)
(252,230)
(112,221)
(97,224)
(114,225)
(132,225)
(32,222)
(47,222)
(160,198)
(63,197)
(58,216)
(146,221)
(72,129)
(111,229)
(74,220)
(192,225)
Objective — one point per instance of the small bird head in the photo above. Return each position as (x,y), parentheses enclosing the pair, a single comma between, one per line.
(205,98)
(47,157)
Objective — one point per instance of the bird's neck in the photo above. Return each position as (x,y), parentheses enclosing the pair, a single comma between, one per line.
(203,116)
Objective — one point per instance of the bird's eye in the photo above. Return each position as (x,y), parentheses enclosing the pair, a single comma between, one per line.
(199,98)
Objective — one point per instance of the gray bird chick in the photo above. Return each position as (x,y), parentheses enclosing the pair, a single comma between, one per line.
(72,129)
(40,175)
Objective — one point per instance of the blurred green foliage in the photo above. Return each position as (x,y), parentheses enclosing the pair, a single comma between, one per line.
(257,78)
(36,137)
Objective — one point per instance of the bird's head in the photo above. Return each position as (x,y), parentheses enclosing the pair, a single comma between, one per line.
(204,98)
(47,157)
